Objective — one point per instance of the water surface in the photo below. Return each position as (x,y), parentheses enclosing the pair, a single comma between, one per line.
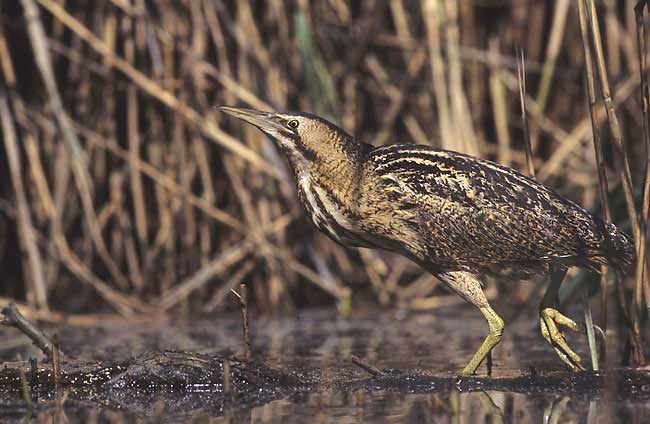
(416,349)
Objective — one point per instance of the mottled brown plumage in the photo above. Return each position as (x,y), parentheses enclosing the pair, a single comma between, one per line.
(457,216)
(462,213)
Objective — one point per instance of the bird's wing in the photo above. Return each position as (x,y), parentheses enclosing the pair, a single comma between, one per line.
(474,211)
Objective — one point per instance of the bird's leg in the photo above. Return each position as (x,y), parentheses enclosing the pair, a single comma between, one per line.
(493,338)
(469,287)
(551,318)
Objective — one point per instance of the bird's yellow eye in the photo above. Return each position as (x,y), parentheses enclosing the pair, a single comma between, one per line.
(293,124)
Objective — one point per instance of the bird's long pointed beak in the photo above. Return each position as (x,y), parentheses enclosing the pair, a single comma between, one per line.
(268,122)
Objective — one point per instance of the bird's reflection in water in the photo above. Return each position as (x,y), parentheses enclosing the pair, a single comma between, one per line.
(492,412)
(463,409)
(555,410)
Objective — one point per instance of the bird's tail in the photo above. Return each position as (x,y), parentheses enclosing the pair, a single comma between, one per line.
(618,249)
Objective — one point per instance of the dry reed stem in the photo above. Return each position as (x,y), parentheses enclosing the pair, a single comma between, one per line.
(499,109)
(5,60)
(614,41)
(369,26)
(216,33)
(598,149)
(431,14)
(233,87)
(376,281)
(415,129)
(329,279)
(122,229)
(26,230)
(61,178)
(461,116)
(133,137)
(401,25)
(38,176)
(556,34)
(642,267)
(474,72)
(521,78)
(131,10)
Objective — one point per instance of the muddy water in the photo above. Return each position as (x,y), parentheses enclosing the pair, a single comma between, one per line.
(420,353)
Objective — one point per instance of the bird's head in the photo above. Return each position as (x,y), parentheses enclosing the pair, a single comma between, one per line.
(303,137)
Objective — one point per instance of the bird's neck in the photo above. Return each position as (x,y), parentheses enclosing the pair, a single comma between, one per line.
(336,170)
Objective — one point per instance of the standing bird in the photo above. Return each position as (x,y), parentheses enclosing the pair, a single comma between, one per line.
(459,217)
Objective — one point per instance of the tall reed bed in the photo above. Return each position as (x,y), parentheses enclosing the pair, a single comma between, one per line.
(125,190)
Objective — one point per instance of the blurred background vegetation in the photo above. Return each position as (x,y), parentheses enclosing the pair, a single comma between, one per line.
(123,190)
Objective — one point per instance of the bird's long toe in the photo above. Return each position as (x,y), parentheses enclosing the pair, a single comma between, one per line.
(550,319)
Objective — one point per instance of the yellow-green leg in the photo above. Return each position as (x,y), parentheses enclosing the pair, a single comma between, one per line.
(550,319)
(493,338)
(469,287)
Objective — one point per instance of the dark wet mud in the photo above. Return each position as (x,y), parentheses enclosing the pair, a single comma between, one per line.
(300,371)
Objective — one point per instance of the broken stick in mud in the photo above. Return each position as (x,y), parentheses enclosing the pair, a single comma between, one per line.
(370,369)
(13,318)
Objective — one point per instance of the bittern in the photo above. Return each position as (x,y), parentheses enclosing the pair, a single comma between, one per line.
(459,217)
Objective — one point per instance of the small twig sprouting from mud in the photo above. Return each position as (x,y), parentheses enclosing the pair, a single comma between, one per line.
(589,324)
(374,371)
(33,371)
(27,396)
(13,318)
(244,316)
(243,302)
(489,364)
(56,363)
(227,385)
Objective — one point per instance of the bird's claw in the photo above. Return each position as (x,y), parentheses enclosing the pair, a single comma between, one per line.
(550,319)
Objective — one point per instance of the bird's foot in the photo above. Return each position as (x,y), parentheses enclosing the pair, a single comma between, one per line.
(549,320)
